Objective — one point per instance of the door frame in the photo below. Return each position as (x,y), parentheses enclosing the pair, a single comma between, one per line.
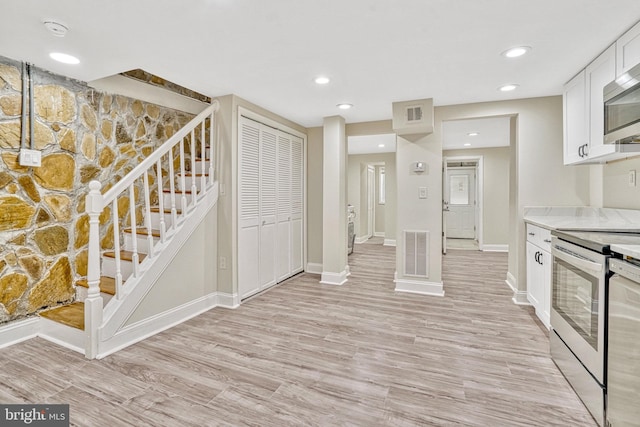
(479,194)
(371,200)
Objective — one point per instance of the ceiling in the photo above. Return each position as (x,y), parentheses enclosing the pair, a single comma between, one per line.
(375,51)
(372,144)
(477,133)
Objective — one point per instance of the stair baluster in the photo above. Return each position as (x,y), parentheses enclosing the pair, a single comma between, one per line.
(116,248)
(194,188)
(93,302)
(183,184)
(203,156)
(134,233)
(147,214)
(172,191)
(159,181)
(211,146)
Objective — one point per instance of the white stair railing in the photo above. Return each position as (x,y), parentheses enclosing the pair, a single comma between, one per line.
(125,196)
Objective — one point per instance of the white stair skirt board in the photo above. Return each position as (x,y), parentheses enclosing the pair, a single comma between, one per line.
(314,268)
(333,278)
(419,287)
(19,330)
(389,242)
(495,248)
(519,297)
(153,325)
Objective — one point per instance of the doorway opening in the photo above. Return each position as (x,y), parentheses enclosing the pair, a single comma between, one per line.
(462,210)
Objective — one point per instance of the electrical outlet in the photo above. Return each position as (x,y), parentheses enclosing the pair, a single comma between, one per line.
(422,194)
(632,178)
(30,158)
(222,263)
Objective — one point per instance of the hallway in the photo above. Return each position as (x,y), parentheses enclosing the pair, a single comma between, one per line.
(307,354)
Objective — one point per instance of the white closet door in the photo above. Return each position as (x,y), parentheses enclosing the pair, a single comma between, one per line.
(249,208)
(284,207)
(297,204)
(268,204)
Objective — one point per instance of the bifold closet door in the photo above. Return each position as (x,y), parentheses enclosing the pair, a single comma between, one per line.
(297,204)
(248,208)
(268,206)
(284,207)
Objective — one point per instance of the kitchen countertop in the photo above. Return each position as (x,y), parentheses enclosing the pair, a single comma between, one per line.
(584,218)
(628,250)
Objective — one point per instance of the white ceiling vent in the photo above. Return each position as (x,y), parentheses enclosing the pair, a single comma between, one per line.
(413,117)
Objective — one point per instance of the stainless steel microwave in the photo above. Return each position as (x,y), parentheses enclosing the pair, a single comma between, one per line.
(622,108)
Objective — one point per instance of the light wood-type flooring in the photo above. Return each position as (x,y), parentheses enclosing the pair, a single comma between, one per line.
(309,354)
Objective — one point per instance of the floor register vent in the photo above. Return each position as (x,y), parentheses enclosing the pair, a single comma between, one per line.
(416,253)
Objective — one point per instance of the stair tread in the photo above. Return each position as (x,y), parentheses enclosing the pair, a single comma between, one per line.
(192,174)
(156,209)
(125,255)
(177,192)
(143,231)
(107,284)
(70,315)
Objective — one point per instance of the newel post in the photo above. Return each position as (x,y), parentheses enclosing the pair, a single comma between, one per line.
(93,304)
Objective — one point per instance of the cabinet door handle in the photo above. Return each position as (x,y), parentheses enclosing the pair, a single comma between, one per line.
(535,257)
(580,151)
(547,241)
(532,234)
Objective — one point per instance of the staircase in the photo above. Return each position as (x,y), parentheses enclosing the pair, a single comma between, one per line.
(153,210)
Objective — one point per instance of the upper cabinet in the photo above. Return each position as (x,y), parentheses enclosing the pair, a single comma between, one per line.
(583,104)
(628,50)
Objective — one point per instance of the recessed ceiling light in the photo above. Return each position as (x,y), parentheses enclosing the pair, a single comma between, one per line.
(508,87)
(344,106)
(473,134)
(467,144)
(64,58)
(322,80)
(515,52)
(380,145)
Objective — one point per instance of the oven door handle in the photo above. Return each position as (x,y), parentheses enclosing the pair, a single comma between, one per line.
(582,264)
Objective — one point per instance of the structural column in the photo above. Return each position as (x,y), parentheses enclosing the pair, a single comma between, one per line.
(334,205)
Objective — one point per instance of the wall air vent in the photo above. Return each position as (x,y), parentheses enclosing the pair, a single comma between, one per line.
(413,117)
(416,253)
(414,114)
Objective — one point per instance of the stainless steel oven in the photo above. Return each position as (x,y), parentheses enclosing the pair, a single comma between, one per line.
(578,318)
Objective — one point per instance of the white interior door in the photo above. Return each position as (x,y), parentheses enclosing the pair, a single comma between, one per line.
(461,217)
(371,197)
(445,206)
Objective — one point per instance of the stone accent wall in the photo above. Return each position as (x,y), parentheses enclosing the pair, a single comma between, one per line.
(83,135)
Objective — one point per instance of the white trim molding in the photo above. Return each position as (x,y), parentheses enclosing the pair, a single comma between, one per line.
(519,297)
(495,248)
(337,279)
(378,234)
(361,239)
(18,331)
(390,242)
(228,300)
(314,268)
(419,287)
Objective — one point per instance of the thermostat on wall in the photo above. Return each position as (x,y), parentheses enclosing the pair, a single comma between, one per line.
(419,167)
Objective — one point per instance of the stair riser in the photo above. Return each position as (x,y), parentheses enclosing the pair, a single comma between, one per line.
(202,167)
(81,295)
(142,242)
(155,220)
(167,200)
(188,181)
(109,268)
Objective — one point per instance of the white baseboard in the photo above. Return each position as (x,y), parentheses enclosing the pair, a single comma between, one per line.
(347,269)
(143,329)
(63,335)
(18,331)
(333,278)
(361,239)
(314,268)
(519,297)
(495,248)
(390,242)
(228,300)
(419,287)
(378,234)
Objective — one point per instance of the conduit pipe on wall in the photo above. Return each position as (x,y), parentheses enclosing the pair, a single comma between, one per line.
(23,123)
(31,113)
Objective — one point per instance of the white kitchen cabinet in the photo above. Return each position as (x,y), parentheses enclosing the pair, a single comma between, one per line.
(628,50)
(539,271)
(270,206)
(575,120)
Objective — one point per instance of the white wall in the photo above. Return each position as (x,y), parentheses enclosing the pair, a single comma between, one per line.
(616,190)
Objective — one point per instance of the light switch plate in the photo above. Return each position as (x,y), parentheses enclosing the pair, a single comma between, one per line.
(632,178)
(31,158)
(422,194)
